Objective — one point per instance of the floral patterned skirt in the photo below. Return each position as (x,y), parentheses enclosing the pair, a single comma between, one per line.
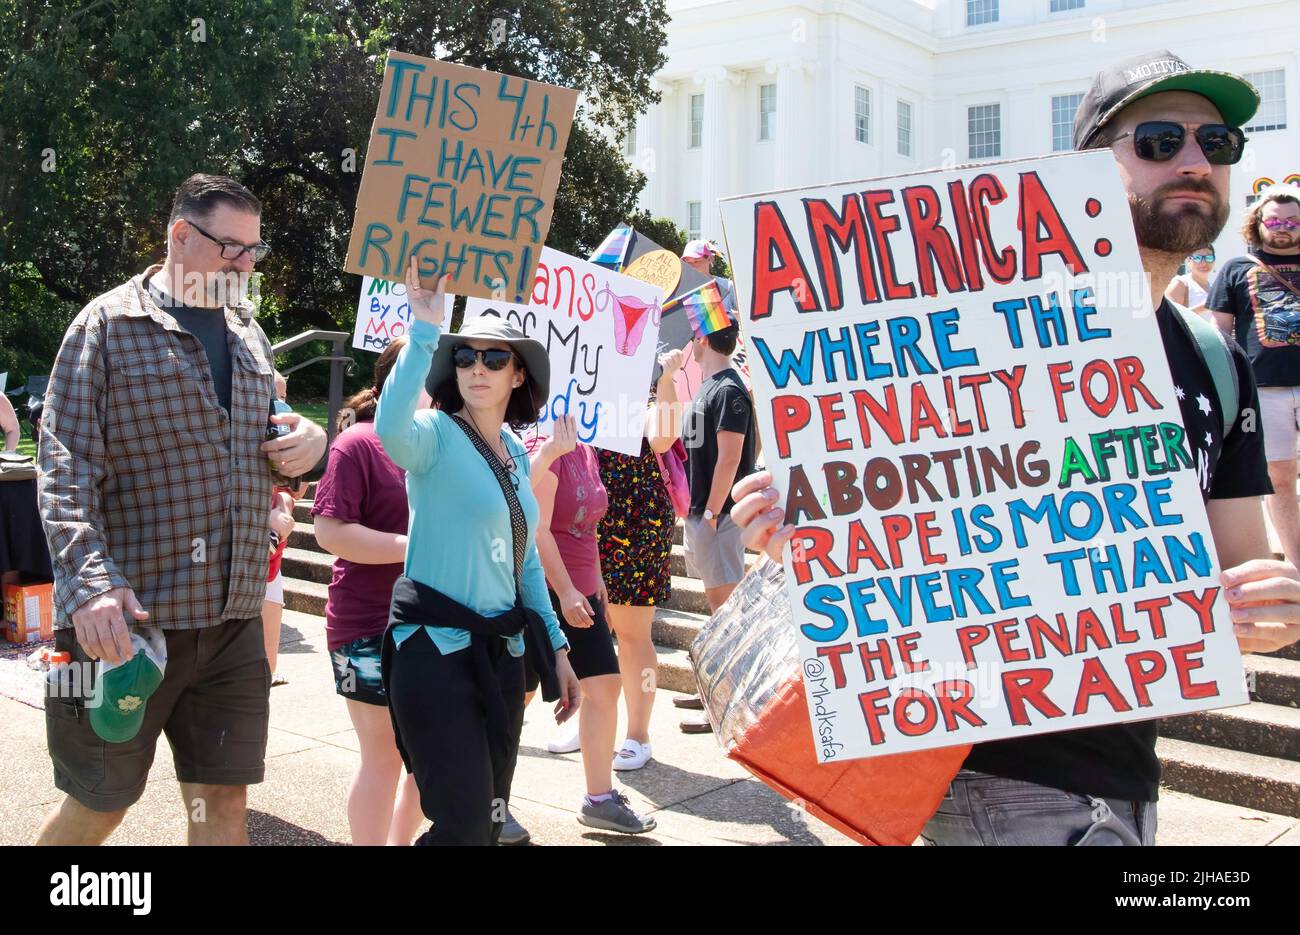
(636,533)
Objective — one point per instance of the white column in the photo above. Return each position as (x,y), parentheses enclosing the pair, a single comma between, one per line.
(794,150)
(651,153)
(716,137)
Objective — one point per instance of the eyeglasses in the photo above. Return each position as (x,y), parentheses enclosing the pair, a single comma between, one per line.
(257,251)
(1160,141)
(1281,224)
(494,359)
(1202,257)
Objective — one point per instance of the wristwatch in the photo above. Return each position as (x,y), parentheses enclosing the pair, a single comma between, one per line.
(709,514)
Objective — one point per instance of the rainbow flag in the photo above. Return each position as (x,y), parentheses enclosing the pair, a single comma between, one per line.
(611,252)
(704,308)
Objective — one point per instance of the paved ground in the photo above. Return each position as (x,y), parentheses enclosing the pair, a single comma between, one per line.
(698,796)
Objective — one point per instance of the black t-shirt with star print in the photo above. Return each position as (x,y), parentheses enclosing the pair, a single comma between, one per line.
(1120,761)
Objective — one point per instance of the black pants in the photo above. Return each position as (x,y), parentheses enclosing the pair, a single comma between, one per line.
(440,716)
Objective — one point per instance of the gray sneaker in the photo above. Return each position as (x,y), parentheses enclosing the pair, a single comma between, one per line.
(614,814)
(512,832)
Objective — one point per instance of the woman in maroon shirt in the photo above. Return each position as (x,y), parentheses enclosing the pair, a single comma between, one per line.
(361,518)
(572,499)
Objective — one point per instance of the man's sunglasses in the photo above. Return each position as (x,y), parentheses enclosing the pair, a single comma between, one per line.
(233,251)
(495,359)
(1280,224)
(1159,141)
(1202,257)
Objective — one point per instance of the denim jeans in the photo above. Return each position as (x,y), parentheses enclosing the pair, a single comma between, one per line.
(980,809)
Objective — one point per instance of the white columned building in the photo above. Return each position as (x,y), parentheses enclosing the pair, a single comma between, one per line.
(767,94)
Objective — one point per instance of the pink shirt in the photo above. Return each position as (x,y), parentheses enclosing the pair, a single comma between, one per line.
(580,502)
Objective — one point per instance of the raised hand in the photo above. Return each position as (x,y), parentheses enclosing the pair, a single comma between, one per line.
(426,304)
(563,440)
(671,362)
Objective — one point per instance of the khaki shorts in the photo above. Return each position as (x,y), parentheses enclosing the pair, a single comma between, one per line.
(716,558)
(1278,408)
(213,705)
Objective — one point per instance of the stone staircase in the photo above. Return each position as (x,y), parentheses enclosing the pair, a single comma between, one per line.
(1247,756)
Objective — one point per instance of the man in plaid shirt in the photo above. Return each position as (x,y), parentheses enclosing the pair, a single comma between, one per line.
(154,491)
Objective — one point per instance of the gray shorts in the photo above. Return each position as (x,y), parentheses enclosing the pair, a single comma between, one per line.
(716,558)
(1278,409)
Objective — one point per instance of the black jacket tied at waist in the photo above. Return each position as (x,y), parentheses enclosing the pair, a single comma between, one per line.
(420,605)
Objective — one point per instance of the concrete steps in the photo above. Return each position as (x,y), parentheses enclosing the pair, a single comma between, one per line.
(1273,679)
(1247,756)
(1238,778)
(1258,728)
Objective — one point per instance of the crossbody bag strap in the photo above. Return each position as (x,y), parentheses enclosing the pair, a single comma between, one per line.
(1286,283)
(518,525)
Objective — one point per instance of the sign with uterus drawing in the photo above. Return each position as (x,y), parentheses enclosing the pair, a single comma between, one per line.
(601,330)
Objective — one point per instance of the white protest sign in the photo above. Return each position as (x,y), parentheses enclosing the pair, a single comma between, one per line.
(383,313)
(601,330)
(964,398)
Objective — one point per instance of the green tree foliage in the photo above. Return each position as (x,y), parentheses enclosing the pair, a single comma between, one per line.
(280,94)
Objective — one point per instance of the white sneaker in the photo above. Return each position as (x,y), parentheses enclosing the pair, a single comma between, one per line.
(634,755)
(567,742)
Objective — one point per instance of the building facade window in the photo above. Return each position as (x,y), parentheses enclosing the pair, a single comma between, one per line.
(692,220)
(984,131)
(1063,108)
(1060,6)
(979,12)
(904,128)
(1272,100)
(767,112)
(861,114)
(629,142)
(695,132)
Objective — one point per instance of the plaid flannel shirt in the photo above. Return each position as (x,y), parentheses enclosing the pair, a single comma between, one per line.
(146,482)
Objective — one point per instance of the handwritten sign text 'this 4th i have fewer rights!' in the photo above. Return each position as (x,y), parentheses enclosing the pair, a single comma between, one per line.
(461,173)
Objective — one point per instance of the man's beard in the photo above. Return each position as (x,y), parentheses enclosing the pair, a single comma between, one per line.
(1276,240)
(1181,231)
(226,288)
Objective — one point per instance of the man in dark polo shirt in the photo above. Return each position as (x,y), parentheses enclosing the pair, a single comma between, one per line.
(1099,785)
(154,493)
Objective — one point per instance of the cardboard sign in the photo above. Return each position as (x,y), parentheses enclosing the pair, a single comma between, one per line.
(461,172)
(601,330)
(964,398)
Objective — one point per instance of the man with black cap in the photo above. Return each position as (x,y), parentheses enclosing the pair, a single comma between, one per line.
(1175,132)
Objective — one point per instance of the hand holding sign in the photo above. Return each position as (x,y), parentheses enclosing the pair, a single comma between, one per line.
(671,362)
(758,514)
(426,304)
(1264,598)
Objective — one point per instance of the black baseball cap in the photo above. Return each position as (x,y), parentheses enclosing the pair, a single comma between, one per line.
(1152,72)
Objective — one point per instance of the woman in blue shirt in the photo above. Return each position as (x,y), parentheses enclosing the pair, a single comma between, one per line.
(473,596)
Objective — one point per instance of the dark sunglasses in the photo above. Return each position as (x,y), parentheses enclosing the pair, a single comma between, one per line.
(1159,141)
(233,251)
(1202,257)
(495,359)
(1280,224)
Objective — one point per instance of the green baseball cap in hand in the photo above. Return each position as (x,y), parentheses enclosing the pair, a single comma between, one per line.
(122,691)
